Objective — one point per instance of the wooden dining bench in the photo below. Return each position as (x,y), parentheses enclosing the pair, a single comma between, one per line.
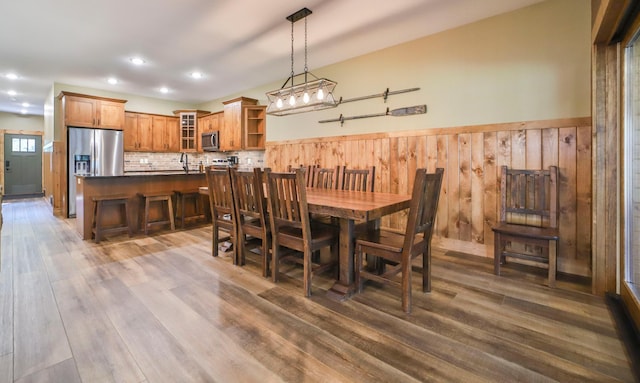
(528,227)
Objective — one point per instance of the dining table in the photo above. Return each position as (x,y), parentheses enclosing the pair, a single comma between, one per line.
(350,207)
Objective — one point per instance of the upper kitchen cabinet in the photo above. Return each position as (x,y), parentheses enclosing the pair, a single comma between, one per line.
(91,111)
(209,123)
(138,136)
(166,135)
(241,116)
(188,121)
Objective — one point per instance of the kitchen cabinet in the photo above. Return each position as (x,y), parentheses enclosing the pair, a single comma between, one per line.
(138,134)
(172,134)
(209,123)
(188,128)
(238,118)
(92,112)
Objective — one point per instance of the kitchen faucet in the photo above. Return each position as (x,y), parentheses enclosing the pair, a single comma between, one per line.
(184,158)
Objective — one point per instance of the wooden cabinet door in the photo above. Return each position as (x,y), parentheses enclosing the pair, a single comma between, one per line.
(130,132)
(80,112)
(145,134)
(110,115)
(231,134)
(159,125)
(172,137)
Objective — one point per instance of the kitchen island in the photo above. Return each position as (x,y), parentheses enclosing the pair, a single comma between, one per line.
(130,184)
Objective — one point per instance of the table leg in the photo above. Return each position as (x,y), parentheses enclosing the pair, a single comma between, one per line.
(344,287)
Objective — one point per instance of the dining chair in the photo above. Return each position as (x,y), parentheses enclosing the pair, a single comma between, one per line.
(309,172)
(357,179)
(222,208)
(528,226)
(398,250)
(327,178)
(291,227)
(251,217)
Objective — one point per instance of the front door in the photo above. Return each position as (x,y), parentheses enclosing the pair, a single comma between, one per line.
(22,165)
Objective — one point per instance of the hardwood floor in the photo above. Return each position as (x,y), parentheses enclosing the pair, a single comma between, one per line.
(161,309)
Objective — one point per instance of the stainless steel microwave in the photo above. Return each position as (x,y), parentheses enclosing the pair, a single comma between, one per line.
(211,141)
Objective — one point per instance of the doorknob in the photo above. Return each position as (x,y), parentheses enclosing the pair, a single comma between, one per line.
(7,165)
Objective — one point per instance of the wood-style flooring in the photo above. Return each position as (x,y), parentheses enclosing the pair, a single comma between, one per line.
(161,309)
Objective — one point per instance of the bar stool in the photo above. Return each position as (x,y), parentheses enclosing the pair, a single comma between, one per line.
(161,197)
(98,225)
(182,197)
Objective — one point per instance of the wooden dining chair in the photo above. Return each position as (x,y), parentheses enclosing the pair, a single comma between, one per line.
(251,217)
(327,178)
(291,227)
(398,250)
(357,179)
(528,227)
(222,208)
(309,172)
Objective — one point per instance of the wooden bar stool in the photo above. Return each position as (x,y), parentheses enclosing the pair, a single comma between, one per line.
(161,197)
(99,225)
(182,198)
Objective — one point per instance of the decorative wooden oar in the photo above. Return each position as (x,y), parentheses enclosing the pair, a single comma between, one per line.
(407,111)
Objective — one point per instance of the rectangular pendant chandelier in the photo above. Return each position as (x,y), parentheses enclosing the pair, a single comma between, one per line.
(307,95)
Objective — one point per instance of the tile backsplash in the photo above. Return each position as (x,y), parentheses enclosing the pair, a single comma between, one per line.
(143,161)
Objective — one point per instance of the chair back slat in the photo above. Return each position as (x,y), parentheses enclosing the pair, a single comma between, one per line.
(423,208)
(358,179)
(326,178)
(529,197)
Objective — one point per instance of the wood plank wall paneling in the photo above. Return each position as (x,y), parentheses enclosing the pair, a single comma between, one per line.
(472,157)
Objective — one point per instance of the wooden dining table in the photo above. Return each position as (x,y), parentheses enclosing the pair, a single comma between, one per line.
(351,206)
(348,207)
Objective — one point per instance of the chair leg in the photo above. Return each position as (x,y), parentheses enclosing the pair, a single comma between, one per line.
(170,212)
(265,257)
(97,216)
(406,286)
(307,274)
(497,253)
(426,270)
(358,267)
(146,216)
(553,252)
(214,239)
(274,261)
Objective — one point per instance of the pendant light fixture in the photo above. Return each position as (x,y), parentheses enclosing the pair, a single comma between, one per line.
(312,94)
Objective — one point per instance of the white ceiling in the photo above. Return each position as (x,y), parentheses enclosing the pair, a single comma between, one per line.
(237,44)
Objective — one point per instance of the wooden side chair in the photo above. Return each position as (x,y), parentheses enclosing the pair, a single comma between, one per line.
(327,178)
(308,176)
(222,208)
(357,179)
(292,228)
(528,227)
(251,217)
(398,249)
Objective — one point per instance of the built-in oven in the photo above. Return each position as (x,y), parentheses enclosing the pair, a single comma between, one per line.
(211,141)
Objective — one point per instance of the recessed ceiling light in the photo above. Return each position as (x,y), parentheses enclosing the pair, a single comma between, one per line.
(11,76)
(23,111)
(196,75)
(112,80)
(12,93)
(25,104)
(137,60)
(164,89)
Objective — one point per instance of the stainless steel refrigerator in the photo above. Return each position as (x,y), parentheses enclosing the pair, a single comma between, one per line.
(92,152)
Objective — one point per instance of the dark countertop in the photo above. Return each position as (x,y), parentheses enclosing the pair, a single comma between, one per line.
(147,174)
